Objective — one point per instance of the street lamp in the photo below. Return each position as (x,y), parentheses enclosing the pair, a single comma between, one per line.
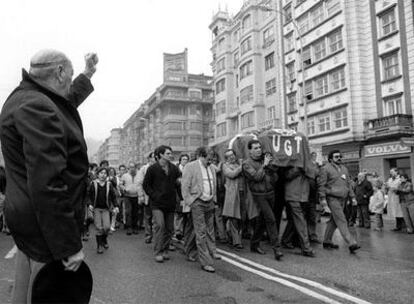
(267,7)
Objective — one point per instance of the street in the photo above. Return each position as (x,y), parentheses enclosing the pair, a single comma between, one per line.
(381,272)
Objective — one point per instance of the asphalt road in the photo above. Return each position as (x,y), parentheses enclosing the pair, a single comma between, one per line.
(381,272)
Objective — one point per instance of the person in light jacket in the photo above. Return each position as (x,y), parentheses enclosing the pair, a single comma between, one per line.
(405,191)
(363,191)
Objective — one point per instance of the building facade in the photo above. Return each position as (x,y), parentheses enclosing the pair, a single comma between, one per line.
(178,114)
(110,149)
(247,71)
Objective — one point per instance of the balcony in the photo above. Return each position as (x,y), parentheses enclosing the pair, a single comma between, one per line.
(389,126)
(233,111)
(270,124)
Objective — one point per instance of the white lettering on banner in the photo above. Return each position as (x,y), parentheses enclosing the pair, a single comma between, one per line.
(287,144)
(386,149)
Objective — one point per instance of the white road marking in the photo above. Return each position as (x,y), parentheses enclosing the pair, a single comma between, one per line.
(287,283)
(11,253)
(314,284)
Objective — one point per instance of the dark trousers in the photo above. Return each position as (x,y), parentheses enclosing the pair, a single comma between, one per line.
(290,236)
(203,220)
(337,220)
(163,229)
(148,222)
(131,212)
(265,220)
(300,224)
(309,211)
(190,245)
(363,216)
(350,213)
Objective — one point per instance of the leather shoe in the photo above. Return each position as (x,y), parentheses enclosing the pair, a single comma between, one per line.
(288,245)
(353,248)
(208,268)
(258,250)
(148,241)
(238,246)
(278,255)
(308,253)
(396,229)
(330,246)
(159,258)
(315,241)
(191,259)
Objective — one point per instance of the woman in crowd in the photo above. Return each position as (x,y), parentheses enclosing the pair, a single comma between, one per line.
(405,191)
(394,207)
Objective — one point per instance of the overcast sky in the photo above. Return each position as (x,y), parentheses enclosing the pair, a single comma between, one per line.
(129,36)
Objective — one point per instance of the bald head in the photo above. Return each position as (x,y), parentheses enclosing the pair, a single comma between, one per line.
(45,62)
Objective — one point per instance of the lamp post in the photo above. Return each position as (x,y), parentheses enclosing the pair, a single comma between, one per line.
(305,103)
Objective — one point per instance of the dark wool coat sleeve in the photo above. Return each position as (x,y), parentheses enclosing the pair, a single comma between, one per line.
(45,154)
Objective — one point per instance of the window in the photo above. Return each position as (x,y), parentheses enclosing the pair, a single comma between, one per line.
(271,112)
(287,11)
(246,45)
(195,141)
(269,61)
(391,68)
(340,119)
(177,141)
(176,126)
(221,65)
(268,36)
(311,127)
(290,71)
(221,44)
(321,86)
(246,94)
(236,59)
(309,90)
(324,123)
(337,79)
(194,94)
(221,107)
(317,15)
(332,6)
(299,2)
(291,103)
(270,87)
(393,106)
(236,36)
(306,57)
(388,23)
(335,41)
(303,23)
(220,86)
(236,77)
(197,126)
(246,69)
(247,22)
(247,120)
(319,49)
(289,43)
(177,110)
(221,129)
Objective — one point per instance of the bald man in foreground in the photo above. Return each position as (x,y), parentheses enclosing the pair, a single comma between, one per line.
(46,165)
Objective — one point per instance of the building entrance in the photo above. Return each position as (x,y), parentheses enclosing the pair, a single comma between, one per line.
(402,164)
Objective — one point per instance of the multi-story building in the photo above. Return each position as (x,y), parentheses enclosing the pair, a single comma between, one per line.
(110,148)
(178,114)
(247,71)
(354,78)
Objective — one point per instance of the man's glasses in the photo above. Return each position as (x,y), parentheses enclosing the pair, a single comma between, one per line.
(337,156)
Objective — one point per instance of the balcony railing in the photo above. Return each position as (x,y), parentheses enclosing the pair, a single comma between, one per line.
(270,123)
(390,125)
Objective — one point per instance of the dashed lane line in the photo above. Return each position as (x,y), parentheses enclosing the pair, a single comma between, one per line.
(308,282)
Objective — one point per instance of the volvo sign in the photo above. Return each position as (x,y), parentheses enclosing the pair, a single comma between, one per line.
(386,149)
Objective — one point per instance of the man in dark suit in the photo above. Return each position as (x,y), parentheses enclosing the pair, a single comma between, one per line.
(46,165)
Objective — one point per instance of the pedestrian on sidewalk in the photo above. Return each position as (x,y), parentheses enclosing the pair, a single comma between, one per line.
(113,178)
(393,207)
(179,215)
(363,192)
(198,187)
(377,204)
(334,186)
(46,163)
(102,201)
(405,191)
(161,183)
(143,198)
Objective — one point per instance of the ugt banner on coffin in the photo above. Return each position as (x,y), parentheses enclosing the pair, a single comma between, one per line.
(288,147)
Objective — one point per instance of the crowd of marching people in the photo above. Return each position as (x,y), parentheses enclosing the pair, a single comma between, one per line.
(198,202)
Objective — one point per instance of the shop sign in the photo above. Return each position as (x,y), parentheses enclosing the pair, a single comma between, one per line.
(386,149)
(407,141)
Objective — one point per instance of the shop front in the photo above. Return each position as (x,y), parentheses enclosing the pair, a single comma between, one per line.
(381,157)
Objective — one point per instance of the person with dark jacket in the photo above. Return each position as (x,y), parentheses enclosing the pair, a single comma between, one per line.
(46,165)
(161,183)
(261,178)
(102,201)
(297,198)
(406,194)
(363,192)
(334,186)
